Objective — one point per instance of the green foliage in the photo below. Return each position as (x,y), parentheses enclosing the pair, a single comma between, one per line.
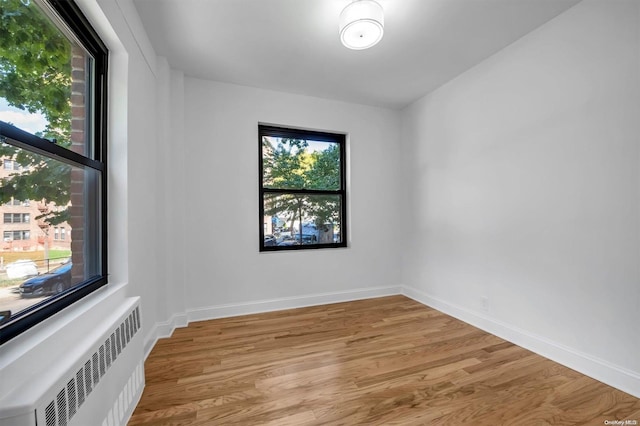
(35,75)
(35,66)
(42,179)
(325,172)
(286,164)
(290,165)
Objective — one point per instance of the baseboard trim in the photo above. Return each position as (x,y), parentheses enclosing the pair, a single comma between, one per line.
(150,340)
(269,305)
(166,328)
(626,380)
(163,329)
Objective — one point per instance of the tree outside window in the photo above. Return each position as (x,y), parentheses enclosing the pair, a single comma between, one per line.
(53,72)
(302,189)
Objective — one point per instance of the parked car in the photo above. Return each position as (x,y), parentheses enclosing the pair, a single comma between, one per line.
(270,240)
(53,282)
(288,241)
(307,239)
(21,269)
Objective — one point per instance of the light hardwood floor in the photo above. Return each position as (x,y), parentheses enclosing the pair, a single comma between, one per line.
(386,361)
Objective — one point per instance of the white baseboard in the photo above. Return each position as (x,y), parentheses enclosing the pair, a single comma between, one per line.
(269,305)
(150,339)
(163,329)
(599,369)
(166,328)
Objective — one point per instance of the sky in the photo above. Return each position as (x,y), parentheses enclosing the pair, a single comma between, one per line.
(318,146)
(312,146)
(24,120)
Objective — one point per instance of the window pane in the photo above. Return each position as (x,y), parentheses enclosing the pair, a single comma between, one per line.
(37,265)
(318,214)
(45,76)
(300,164)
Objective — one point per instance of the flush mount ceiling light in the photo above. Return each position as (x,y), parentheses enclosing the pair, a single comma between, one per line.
(361,24)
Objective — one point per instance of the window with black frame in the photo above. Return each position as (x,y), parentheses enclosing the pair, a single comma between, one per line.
(302,189)
(53,147)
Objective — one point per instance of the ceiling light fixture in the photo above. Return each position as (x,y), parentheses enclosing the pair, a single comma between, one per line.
(361,24)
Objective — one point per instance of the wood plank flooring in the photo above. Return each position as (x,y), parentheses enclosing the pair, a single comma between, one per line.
(385,361)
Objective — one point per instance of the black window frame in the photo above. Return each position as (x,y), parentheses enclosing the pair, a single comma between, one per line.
(76,22)
(295,133)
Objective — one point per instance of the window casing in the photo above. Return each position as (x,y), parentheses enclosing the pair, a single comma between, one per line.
(67,160)
(16,217)
(16,235)
(59,234)
(16,202)
(11,165)
(302,189)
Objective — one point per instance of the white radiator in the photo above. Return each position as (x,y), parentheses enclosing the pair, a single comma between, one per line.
(100,386)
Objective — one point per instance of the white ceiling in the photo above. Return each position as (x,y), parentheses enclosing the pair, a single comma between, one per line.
(293,45)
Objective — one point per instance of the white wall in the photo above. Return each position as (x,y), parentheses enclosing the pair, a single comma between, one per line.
(223,265)
(517,181)
(134,197)
(523,187)
(169,263)
(144,191)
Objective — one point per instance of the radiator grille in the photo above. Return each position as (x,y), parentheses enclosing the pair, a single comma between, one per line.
(78,382)
(107,351)
(71,391)
(87,377)
(50,414)
(62,407)
(70,398)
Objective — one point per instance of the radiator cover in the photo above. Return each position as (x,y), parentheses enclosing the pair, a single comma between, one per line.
(100,386)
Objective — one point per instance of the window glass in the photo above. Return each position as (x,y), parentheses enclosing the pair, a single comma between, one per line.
(321,218)
(63,201)
(302,189)
(46,79)
(300,164)
(52,183)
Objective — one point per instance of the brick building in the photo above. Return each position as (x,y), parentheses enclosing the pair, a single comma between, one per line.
(19,227)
